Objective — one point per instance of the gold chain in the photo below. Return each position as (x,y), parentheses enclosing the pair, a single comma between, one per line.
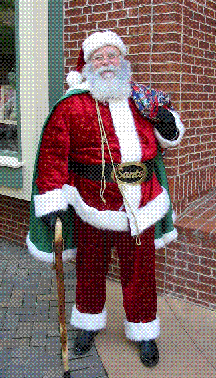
(103,180)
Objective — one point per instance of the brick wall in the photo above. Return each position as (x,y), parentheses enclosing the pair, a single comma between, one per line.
(14,219)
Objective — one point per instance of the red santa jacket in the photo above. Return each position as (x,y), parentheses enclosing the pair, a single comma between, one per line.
(73,132)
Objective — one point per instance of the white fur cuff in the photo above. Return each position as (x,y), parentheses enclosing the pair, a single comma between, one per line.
(53,200)
(142,331)
(68,254)
(165,143)
(89,322)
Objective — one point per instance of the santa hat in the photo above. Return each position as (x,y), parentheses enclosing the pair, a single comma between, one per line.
(91,44)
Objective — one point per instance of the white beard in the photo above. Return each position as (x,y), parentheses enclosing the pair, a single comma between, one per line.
(109,88)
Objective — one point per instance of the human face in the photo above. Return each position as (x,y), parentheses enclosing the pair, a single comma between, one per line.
(105,56)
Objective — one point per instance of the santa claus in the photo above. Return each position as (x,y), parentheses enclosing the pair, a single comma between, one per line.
(99,167)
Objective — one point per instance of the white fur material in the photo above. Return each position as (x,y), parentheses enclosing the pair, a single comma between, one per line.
(166,239)
(165,143)
(112,220)
(118,220)
(152,212)
(75,85)
(68,254)
(100,39)
(89,322)
(142,331)
(127,135)
(74,78)
(50,201)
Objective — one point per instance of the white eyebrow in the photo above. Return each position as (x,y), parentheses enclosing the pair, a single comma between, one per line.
(110,52)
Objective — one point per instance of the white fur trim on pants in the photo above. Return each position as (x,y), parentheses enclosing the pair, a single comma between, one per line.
(142,331)
(89,322)
(50,201)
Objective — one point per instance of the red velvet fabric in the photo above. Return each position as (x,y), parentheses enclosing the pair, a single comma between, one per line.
(73,129)
(137,266)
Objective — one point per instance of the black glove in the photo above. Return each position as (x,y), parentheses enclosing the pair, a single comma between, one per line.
(50,219)
(166,124)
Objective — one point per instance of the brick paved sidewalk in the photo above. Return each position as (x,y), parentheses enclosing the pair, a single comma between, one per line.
(29,331)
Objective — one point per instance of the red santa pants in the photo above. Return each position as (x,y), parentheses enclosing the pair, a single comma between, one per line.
(137,267)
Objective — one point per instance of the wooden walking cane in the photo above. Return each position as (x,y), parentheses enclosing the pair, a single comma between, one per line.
(58,248)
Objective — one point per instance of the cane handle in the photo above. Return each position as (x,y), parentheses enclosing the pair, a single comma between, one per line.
(58,230)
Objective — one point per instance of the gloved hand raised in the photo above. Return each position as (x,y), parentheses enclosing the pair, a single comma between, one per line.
(50,219)
(166,124)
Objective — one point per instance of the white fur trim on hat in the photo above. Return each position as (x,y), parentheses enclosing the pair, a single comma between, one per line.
(100,39)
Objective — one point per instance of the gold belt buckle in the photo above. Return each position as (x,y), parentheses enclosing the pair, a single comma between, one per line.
(133,173)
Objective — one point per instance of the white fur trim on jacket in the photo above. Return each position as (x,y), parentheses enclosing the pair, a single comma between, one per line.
(68,254)
(50,201)
(118,220)
(166,239)
(90,322)
(74,78)
(100,39)
(142,331)
(75,83)
(148,215)
(165,143)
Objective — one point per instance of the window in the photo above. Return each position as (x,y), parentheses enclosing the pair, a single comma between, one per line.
(8,119)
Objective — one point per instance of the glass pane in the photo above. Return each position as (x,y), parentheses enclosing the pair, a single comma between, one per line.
(8,127)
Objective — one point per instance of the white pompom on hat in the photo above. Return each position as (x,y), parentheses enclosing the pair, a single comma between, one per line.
(100,39)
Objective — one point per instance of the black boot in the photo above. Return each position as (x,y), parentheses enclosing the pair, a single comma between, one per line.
(149,353)
(84,341)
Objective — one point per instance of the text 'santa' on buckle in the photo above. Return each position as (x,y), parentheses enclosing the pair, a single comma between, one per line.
(133,173)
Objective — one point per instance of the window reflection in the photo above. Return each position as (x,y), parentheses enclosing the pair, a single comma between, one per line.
(8,124)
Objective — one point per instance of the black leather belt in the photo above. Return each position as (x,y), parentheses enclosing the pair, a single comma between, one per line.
(131,173)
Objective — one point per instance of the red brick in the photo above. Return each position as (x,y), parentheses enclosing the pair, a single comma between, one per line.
(208,262)
(78,36)
(87,10)
(213,47)
(188,59)
(73,12)
(210,4)
(160,275)
(90,26)
(194,157)
(107,24)
(189,292)
(199,269)
(70,29)
(97,17)
(117,14)
(207,297)
(164,17)
(190,5)
(78,19)
(91,2)
(102,8)
(176,280)
(190,41)
(199,35)
(166,47)
(187,274)
(139,48)
(118,5)
(166,28)
(79,3)
(186,78)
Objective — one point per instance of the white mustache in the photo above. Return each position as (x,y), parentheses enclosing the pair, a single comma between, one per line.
(110,69)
